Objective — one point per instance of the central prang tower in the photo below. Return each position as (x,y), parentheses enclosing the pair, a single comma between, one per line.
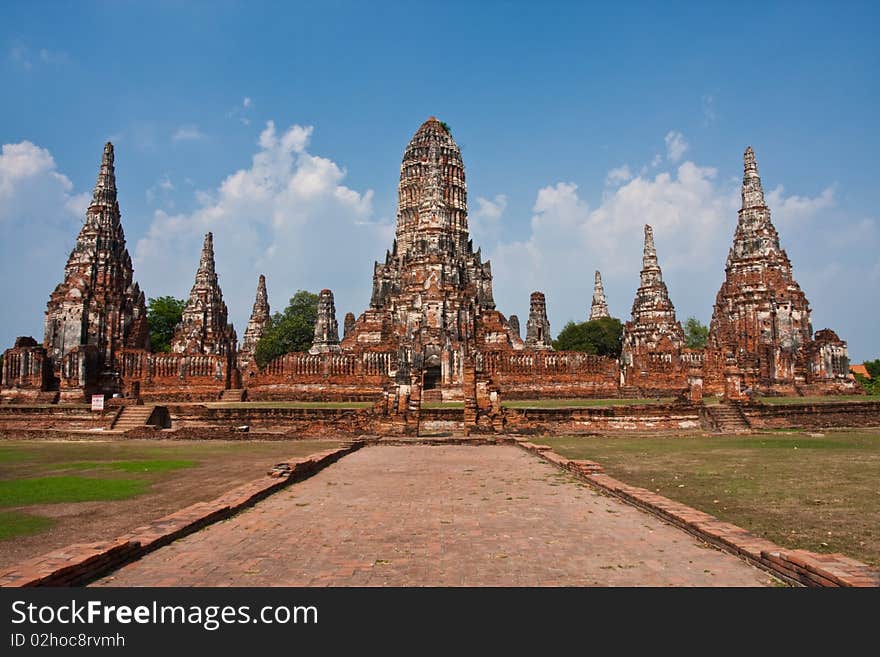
(432,296)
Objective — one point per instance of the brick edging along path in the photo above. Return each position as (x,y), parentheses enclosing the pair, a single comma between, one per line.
(80,563)
(794,566)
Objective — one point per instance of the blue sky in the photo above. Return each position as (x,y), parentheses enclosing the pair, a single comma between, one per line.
(281,127)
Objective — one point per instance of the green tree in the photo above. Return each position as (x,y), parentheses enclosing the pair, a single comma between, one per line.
(291,330)
(163,314)
(695,333)
(873,367)
(600,336)
(872,385)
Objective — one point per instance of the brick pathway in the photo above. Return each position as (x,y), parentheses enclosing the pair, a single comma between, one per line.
(450,515)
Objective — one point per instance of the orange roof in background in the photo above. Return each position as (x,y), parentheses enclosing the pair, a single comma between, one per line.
(860,369)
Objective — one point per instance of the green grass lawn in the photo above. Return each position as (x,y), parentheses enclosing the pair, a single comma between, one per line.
(569,403)
(817,493)
(59,472)
(65,488)
(16,523)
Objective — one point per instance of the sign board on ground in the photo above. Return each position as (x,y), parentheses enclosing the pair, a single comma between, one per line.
(97,402)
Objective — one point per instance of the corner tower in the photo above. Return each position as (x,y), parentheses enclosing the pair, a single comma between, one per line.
(98,303)
(761,316)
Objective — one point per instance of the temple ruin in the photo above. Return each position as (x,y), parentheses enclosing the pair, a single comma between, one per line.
(431,330)
(653,340)
(761,320)
(256,326)
(599,307)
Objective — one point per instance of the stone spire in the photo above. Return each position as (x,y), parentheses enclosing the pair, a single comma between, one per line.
(653,315)
(513,321)
(538,326)
(651,273)
(98,303)
(432,197)
(752,192)
(432,285)
(326,328)
(105,187)
(599,309)
(347,324)
(761,315)
(756,236)
(204,328)
(260,318)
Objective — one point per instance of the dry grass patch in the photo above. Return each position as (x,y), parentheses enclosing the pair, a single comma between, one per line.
(819,492)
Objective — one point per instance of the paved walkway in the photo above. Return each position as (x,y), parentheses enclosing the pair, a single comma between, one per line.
(447,516)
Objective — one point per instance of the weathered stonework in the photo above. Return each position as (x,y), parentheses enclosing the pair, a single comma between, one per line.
(513,322)
(326,328)
(203,328)
(431,331)
(599,307)
(538,327)
(260,318)
(653,340)
(761,317)
(432,295)
(98,303)
(347,324)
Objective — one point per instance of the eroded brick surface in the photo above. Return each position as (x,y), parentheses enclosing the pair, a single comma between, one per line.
(450,515)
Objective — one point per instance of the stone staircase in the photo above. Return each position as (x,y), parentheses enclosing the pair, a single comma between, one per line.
(233,395)
(630,392)
(435,395)
(728,418)
(131,417)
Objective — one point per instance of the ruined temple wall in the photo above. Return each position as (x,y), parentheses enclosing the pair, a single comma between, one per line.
(319,422)
(323,377)
(645,417)
(57,418)
(175,377)
(658,374)
(544,374)
(25,373)
(813,416)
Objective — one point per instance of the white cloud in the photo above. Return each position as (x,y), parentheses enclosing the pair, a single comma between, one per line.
(791,208)
(32,188)
(288,215)
(692,217)
(675,145)
(242,111)
(21,55)
(188,133)
(162,191)
(618,175)
(40,214)
(485,220)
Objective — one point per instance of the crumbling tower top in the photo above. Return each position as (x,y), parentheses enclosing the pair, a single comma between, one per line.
(432,195)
